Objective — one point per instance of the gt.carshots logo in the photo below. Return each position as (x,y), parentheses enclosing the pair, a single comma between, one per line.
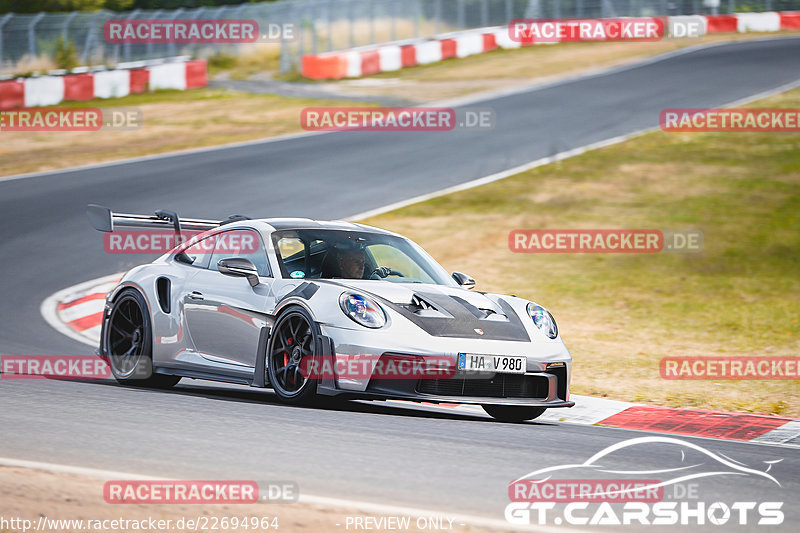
(667,492)
(531,31)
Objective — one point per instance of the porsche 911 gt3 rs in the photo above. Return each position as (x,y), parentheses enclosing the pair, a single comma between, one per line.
(270,302)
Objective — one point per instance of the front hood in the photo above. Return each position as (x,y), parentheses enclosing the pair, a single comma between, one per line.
(444,311)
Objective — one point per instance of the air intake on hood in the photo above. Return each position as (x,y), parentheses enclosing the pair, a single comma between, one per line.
(423,307)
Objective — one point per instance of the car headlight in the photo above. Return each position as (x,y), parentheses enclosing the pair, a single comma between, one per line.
(362,310)
(543,320)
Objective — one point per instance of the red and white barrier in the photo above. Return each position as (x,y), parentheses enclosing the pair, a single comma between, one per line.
(358,62)
(758,22)
(52,90)
(790,20)
(46,90)
(112,84)
(79,87)
(168,76)
(12,94)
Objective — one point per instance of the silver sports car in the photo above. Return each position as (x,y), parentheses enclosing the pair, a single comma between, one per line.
(316,309)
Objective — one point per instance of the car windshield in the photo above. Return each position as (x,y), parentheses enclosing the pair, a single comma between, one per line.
(339,254)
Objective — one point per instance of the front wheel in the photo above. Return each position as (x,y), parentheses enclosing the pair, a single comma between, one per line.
(513,413)
(129,344)
(293,341)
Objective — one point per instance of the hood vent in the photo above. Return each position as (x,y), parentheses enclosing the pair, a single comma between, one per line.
(479,312)
(425,308)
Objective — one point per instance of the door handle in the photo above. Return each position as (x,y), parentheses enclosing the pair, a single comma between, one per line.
(195,295)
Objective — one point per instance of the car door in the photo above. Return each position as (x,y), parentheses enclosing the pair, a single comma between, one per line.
(224,315)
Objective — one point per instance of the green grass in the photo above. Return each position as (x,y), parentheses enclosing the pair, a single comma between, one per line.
(621,313)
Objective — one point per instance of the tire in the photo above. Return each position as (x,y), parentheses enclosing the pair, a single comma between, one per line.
(285,355)
(513,413)
(128,343)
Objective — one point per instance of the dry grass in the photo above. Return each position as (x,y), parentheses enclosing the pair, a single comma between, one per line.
(28,494)
(29,65)
(170,122)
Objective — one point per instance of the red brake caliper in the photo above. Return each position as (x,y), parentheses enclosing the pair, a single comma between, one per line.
(286,358)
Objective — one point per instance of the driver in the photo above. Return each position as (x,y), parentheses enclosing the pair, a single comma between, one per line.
(351,263)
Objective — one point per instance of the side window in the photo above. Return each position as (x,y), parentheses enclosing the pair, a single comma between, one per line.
(240,243)
(198,254)
(292,255)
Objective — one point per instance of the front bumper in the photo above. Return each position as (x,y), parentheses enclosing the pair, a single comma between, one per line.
(544,384)
(543,389)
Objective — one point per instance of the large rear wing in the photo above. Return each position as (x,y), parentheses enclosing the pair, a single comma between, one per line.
(103,219)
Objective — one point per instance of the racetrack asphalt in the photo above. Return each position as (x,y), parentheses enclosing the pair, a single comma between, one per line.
(373,452)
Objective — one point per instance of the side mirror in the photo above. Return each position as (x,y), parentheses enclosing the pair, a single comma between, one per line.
(463,280)
(239,267)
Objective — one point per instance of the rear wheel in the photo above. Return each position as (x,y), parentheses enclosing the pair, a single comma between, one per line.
(293,341)
(513,413)
(129,343)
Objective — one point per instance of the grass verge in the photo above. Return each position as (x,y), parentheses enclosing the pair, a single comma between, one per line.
(621,313)
(172,120)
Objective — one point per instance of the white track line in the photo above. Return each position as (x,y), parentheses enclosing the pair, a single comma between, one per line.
(472,520)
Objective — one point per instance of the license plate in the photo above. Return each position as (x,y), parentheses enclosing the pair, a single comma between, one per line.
(504,364)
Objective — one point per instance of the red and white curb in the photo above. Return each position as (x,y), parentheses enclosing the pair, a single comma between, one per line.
(720,425)
(392,56)
(78,87)
(77,312)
